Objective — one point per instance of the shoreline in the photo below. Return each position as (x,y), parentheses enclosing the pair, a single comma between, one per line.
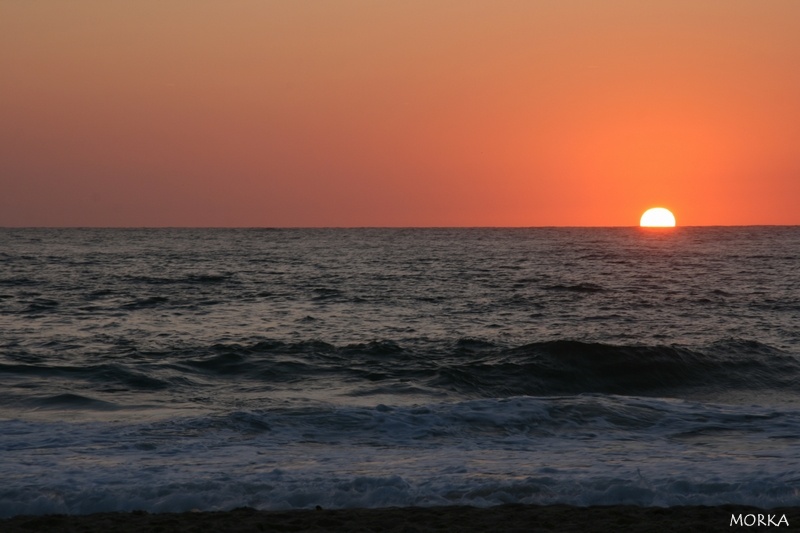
(506,518)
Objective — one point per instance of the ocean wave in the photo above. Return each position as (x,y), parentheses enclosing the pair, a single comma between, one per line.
(579,287)
(73,401)
(146,303)
(284,491)
(101,376)
(466,368)
(504,420)
(581,450)
(569,367)
(189,279)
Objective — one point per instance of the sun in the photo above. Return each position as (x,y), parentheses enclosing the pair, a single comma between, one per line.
(657,217)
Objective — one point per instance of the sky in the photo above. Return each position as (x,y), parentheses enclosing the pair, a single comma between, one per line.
(298,113)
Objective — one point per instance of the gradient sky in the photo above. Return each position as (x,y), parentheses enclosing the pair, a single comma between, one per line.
(398,113)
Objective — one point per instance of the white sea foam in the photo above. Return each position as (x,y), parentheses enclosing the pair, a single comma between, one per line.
(582,450)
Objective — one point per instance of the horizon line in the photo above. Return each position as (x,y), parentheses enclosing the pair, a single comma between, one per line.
(402,227)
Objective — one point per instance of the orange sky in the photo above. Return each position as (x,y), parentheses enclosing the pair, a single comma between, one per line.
(407,113)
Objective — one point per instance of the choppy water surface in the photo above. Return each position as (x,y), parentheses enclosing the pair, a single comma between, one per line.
(180,369)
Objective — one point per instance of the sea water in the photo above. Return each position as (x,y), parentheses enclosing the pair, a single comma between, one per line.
(179,369)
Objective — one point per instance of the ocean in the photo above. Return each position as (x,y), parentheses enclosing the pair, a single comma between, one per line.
(181,369)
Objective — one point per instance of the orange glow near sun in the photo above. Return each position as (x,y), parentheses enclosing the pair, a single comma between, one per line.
(657,217)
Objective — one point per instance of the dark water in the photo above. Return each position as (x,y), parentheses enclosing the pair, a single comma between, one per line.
(179,369)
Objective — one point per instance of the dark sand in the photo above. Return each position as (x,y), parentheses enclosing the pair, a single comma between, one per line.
(510,518)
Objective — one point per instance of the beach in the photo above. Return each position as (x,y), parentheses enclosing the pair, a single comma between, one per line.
(506,518)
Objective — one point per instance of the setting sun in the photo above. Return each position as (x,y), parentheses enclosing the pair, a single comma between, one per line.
(657,217)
